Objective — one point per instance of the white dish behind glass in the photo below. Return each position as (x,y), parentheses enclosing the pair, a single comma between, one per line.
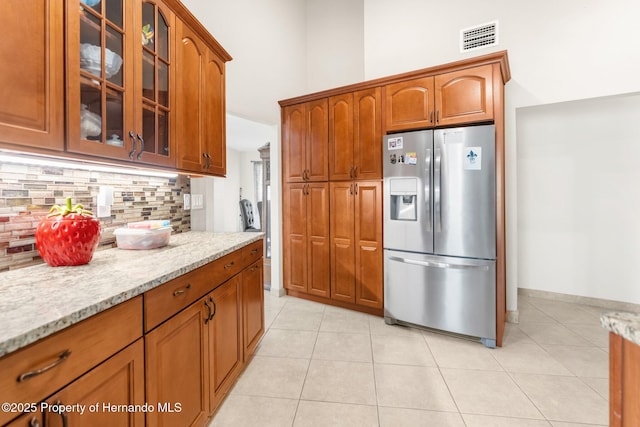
(90,60)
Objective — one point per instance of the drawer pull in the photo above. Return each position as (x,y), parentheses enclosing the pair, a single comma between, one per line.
(33,422)
(254,268)
(181,291)
(254,251)
(228,266)
(63,356)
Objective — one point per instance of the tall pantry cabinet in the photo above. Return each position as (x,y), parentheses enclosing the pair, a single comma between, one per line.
(332,225)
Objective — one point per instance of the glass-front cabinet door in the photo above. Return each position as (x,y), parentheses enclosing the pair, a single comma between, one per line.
(100,77)
(119,79)
(154,91)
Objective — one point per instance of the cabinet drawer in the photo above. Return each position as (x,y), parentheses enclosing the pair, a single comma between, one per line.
(166,300)
(251,253)
(33,373)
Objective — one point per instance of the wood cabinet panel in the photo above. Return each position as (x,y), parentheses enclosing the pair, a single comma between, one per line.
(32,85)
(252,307)
(342,241)
(341,142)
(70,353)
(409,104)
(464,96)
(318,232)
(305,135)
(295,236)
(624,382)
(118,381)
(176,355)
(368,244)
(355,135)
(294,149)
(225,339)
(367,113)
(213,114)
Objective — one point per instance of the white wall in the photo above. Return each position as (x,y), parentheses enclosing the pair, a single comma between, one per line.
(335,43)
(578,201)
(268,44)
(558,51)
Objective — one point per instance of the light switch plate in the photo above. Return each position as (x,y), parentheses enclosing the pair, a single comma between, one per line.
(187,201)
(197,201)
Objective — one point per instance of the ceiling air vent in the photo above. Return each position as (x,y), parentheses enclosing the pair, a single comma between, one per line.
(478,37)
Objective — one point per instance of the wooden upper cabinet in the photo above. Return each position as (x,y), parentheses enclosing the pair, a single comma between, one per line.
(32,74)
(305,136)
(367,128)
(355,135)
(214,115)
(200,105)
(409,104)
(464,96)
(120,106)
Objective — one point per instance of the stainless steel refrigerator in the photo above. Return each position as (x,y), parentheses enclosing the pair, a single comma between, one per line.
(440,230)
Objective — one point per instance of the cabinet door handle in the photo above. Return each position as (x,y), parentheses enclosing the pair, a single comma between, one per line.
(254,268)
(33,422)
(215,307)
(65,420)
(61,358)
(141,146)
(350,188)
(431,117)
(356,186)
(355,171)
(133,140)
(228,266)
(182,290)
(351,172)
(208,312)
(437,116)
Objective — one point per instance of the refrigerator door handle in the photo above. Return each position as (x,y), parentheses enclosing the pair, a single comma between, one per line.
(427,188)
(440,264)
(436,189)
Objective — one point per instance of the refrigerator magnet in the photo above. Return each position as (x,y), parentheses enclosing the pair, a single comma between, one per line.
(473,158)
(411,158)
(395,143)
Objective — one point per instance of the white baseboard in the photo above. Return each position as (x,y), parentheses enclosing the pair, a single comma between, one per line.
(577,299)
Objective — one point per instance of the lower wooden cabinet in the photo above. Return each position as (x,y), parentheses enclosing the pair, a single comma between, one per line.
(202,328)
(112,386)
(194,358)
(224,336)
(99,395)
(177,371)
(356,242)
(624,382)
(252,307)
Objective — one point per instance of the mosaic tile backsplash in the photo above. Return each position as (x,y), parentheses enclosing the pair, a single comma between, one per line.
(27,193)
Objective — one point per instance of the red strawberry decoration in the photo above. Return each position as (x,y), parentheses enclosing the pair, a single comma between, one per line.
(68,235)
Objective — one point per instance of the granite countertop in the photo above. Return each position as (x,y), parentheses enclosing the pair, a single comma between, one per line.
(40,300)
(625,324)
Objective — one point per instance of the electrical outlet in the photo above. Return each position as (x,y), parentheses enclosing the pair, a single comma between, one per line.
(197,201)
(187,201)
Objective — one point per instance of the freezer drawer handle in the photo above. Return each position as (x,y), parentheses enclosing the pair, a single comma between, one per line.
(440,264)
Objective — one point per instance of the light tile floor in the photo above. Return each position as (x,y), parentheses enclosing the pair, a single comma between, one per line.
(319,365)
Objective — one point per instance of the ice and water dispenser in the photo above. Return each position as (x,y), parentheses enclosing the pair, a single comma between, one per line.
(404,199)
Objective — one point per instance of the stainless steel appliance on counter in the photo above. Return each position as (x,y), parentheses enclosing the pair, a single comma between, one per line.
(440,230)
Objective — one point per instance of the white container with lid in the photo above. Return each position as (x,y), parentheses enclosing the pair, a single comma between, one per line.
(142,238)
